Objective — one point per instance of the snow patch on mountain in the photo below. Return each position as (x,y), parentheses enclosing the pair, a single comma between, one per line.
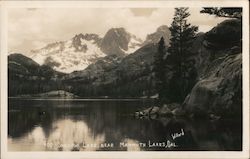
(133,45)
(69,56)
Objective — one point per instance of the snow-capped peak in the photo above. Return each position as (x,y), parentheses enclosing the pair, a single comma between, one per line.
(72,55)
(84,49)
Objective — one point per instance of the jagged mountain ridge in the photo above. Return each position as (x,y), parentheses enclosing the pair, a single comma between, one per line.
(82,50)
(85,49)
(67,56)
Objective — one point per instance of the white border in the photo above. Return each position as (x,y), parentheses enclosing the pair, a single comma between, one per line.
(5,5)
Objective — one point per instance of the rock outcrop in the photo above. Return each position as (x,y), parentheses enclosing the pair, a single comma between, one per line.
(220,92)
(117,41)
(162,31)
(218,59)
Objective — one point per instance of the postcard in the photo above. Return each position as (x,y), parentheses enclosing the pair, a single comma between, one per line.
(124,79)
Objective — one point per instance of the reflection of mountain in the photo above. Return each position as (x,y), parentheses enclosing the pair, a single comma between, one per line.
(75,122)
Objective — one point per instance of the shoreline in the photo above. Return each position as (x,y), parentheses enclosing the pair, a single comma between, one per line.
(82,99)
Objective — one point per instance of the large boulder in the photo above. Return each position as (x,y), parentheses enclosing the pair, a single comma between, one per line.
(202,96)
(220,91)
(151,112)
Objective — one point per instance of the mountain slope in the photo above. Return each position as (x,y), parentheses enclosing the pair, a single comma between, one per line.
(115,76)
(17,63)
(25,76)
(131,75)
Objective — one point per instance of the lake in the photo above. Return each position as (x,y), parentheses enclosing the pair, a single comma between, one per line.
(109,125)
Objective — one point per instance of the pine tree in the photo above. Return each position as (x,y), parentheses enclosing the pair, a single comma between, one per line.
(182,34)
(159,68)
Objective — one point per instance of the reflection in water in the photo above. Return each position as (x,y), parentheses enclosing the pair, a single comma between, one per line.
(68,134)
(36,136)
(32,141)
(58,125)
(132,145)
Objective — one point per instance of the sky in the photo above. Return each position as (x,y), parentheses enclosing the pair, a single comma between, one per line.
(34,28)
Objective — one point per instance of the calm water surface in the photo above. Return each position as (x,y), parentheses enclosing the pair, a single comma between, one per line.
(99,125)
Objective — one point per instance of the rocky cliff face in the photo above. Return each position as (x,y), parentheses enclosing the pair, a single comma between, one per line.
(219,66)
(220,91)
(162,31)
(215,44)
(118,41)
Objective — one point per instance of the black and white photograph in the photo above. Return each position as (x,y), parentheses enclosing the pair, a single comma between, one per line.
(128,79)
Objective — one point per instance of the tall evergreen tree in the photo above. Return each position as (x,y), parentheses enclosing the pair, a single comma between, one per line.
(159,69)
(182,34)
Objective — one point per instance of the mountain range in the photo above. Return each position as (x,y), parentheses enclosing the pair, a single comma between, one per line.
(86,60)
(119,65)
(79,52)
(117,72)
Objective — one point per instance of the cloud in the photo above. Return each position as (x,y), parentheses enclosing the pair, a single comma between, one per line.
(35,27)
(142,11)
